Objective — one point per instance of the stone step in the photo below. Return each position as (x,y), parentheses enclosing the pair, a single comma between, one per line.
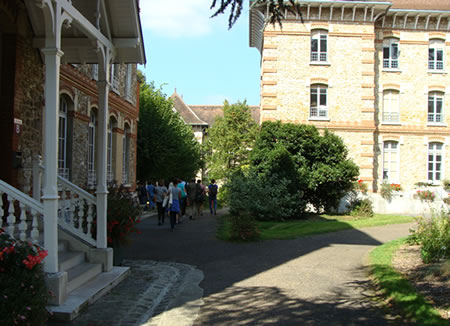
(80,274)
(70,259)
(63,245)
(87,294)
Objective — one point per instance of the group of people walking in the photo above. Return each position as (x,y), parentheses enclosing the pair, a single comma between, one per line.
(176,197)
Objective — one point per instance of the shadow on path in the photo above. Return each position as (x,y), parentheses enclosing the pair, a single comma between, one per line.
(282,282)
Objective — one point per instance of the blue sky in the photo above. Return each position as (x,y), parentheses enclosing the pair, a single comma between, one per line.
(198,55)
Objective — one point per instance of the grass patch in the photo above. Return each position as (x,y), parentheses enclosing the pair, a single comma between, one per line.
(398,290)
(315,224)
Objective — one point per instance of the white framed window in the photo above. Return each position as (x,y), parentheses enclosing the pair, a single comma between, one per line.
(391,161)
(128,92)
(63,170)
(109,153)
(390,53)
(391,106)
(435,161)
(436,107)
(319,102)
(436,55)
(126,155)
(91,149)
(319,44)
(115,82)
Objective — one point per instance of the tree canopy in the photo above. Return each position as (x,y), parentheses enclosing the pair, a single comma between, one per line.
(166,146)
(230,140)
(275,8)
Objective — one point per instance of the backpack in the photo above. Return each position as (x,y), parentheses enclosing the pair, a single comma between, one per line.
(199,194)
(213,190)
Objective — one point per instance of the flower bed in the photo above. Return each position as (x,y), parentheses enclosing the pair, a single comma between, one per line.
(24,293)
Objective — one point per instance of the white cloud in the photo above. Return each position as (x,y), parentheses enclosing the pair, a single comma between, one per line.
(177,18)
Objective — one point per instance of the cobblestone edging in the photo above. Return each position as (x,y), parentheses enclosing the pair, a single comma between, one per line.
(142,298)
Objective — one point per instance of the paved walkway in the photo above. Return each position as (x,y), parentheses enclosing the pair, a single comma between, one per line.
(317,280)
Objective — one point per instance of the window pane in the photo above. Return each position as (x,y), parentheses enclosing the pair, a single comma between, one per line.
(438,105)
(431,54)
(323,97)
(440,55)
(430,175)
(430,104)
(386,53)
(323,44)
(313,97)
(314,45)
(394,51)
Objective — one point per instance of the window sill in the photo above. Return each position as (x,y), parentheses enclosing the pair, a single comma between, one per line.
(436,124)
(318,119)
(391,70)
(319,63)
(438,72)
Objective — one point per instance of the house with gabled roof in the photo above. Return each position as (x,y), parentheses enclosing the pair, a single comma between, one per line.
(68,125)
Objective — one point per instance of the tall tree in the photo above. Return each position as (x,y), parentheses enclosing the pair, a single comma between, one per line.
(230,140)
(276,9)
(167,147)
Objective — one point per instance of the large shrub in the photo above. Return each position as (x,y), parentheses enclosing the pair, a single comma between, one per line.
(265,197)
(322,170)
(23,291)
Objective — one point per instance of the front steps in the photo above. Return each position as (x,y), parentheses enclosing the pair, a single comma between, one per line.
(86,282)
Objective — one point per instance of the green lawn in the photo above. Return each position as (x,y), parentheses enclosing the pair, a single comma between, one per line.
(398,291)
(314,225)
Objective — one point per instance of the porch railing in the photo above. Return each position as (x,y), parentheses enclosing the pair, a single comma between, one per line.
(76,207)
(23,213)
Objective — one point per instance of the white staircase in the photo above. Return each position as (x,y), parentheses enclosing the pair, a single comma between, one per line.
(86,281)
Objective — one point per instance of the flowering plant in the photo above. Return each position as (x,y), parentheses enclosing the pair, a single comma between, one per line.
(396,187)
(24,293)
(361,186)
(427,195)
(123,215)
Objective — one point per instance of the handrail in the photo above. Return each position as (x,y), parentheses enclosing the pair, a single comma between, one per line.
(79,191)
(21,197)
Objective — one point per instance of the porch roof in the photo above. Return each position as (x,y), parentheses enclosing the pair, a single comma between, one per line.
(117,20)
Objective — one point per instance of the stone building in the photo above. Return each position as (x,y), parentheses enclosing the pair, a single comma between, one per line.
(376,73)
(202,117)
(68,125)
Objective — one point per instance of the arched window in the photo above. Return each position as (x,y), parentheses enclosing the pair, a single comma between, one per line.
(319,45)
(126,154)
(63,169)
(436,107)
(319,102)
(390,53)
(109,152)
(91,149)
(436,55)
(435,161)
(390,161)
(391,109)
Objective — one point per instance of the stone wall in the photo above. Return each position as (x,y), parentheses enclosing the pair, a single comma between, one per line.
(355,82)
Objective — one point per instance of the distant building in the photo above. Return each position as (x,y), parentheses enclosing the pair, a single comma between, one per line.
(202,117)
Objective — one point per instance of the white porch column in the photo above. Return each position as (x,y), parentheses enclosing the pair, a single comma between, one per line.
(102,189)
(50,191)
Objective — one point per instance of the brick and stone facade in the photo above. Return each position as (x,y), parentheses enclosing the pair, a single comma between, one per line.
(378,107)
(21,123)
